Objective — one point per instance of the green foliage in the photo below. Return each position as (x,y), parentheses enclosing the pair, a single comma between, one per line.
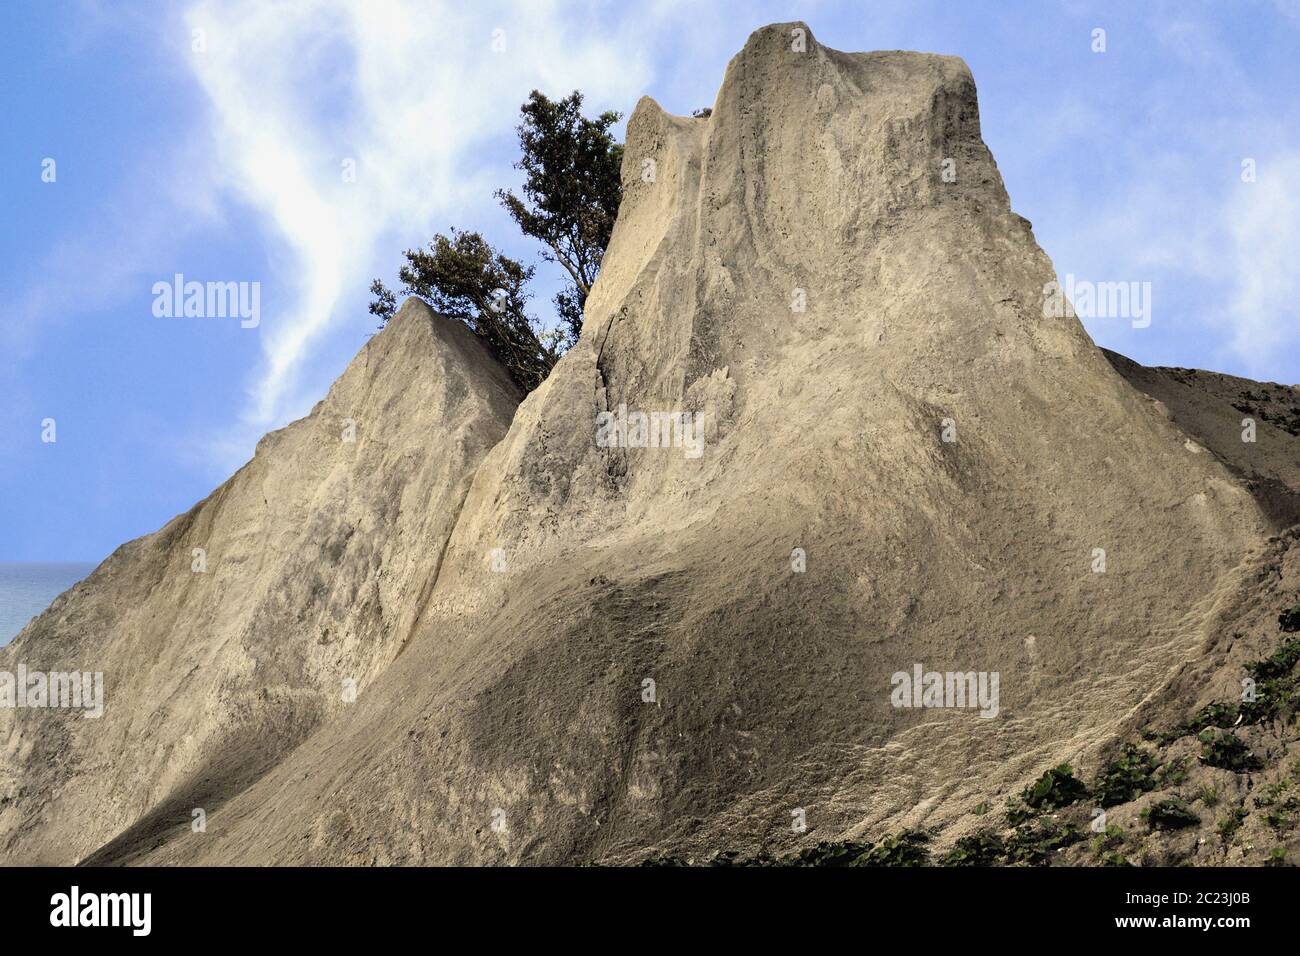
(1109,839)
(1171,774)
(1280,664)
(1280,819)
(1229,825)
(1035,843)
(985,848)
(1226,751)
(1269,697)
(1282,811)
(464,278)
(1217,714)
(1272,793)
(732,858)
(1170,814)
(1276,857)
(1106,846)
(908,848)
(1129,775)
(571,192)
(847,853)
(1017,812)
(385,303)
(1275,691)
(1056,788)
(1276,684)
(1289,620)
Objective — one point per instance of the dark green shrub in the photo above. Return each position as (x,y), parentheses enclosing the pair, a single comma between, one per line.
(848,853)
(909,848)
(1218,714)
(1170,814)
(1112,838)
(1171,774)
(1129,775)
(985,848)
(1270,695)
(1035,843)
(1017,812)
(1279,664)
(1229,825)
(1227,752)
(1056,788)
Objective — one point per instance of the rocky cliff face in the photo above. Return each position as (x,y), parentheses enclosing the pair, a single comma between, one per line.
(1219,411)
(592,647)
(232,633)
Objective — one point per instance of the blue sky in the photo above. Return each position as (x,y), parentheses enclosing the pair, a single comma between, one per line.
(220,155)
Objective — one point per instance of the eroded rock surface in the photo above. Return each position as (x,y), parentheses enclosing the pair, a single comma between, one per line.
(635,650)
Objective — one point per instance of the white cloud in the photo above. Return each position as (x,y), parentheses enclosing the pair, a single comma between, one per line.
(413,92)
(1222,254)
(1261,221)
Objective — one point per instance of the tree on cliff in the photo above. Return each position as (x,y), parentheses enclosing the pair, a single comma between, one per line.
(572,190)
(464,278)
(571,195)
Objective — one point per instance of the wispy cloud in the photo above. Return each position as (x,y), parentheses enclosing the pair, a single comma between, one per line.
(1167,202)
(1261,221)
(411,92)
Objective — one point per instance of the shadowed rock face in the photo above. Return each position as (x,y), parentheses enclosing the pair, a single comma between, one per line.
(655,667)
(1220,412)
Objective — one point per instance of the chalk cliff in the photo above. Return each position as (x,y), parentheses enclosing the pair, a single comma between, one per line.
(568,652)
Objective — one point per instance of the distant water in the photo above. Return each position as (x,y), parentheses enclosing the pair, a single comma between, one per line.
(27,589)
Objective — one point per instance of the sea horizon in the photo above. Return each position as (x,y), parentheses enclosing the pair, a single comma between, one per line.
(27,588)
